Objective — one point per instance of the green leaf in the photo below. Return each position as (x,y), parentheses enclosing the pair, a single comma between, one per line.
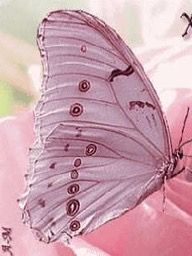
(11,97)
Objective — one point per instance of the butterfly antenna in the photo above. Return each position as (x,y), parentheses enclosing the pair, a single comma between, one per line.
(183,129)
(186,142)
(187,155)
(164,194)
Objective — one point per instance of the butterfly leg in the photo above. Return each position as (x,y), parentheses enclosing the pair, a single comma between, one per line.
(180,171)
(188,175)
(164,190)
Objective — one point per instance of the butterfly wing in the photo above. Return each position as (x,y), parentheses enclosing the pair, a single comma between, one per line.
(80,182)
(100,133)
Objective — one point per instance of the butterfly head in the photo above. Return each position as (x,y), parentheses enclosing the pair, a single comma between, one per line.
(178,154)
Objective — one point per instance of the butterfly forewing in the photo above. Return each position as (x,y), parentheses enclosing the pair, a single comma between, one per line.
(100,133)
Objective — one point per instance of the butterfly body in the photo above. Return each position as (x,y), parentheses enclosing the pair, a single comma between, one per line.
(102,142)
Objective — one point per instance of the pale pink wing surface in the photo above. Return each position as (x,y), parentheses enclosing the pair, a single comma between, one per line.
(101,137)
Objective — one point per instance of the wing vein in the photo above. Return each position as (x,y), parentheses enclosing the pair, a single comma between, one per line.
(87,42)
(83,57)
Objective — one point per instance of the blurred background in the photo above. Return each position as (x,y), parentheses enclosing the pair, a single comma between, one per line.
(139,23)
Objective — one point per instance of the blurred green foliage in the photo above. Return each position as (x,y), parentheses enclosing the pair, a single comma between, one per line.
(21,18)
(10,97)
(6,98)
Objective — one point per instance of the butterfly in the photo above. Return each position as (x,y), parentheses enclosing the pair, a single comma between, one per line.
(102,141)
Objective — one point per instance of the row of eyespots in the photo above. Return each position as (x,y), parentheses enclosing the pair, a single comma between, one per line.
(76,109)
(73,205)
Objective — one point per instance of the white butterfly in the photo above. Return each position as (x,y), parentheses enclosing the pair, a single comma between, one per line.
(102,142)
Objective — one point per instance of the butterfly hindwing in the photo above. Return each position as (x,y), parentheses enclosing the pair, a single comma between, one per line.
(85,180)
